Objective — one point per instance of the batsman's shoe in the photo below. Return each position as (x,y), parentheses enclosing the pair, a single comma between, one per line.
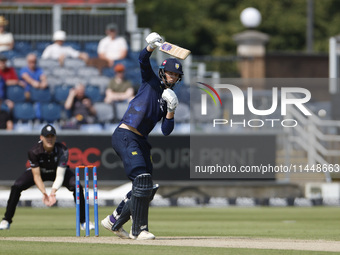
(83,226)
(4,224)
(107,223)
(144,235)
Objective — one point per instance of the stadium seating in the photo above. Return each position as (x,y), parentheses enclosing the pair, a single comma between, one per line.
(93,92)
(48,63)
(23,112)
(74,45)
(19,62)
(87,72)
(16,93)
(9,54)
(91,128)
(74,63)
(61,93)
(41,46)
(74,80)
(22,47)
(120,109)
(23,127)
(105,113)
(183,113)
(100,81)
(41,95)
(4,107)
(50,112)
(63,72)
(53,82)
(91,48)
(47,105)
(108,72)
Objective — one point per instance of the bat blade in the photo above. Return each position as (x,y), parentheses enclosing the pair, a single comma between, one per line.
(174,50)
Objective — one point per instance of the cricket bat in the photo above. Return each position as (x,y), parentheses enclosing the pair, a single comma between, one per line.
(174,50)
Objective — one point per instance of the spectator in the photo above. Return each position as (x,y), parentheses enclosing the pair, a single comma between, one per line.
(6,121)
(6,38)
(32,75)
(9,74)
(59,52)
(80,106)
(119,88)
(110,48)
(2,89)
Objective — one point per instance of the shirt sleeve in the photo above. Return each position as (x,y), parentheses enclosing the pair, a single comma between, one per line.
(22,71)
(46,53)
(123,44)
(101,46)
(13,75)
(33,159)
(10,37)
(63,158)
(167,126)
(145,66)
(72,52)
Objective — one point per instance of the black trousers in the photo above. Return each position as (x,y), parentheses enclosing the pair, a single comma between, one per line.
(26,181)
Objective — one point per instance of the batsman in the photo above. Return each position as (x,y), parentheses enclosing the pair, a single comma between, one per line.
(155,101)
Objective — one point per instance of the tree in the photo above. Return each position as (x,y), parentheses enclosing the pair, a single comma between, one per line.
(207,27)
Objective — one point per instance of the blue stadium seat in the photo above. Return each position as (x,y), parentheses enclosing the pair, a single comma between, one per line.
(23,111)
(74,63)
(41,95)
(93,92)
(23,127)
(75,80)
(91,128)
(50,112)
(128,63)
(134,55)
(53,81)
(105,113)
(48,63)
(63,72)
(9,54)
(61,93)
(4,107)
(91,48)
(88,71)
(40,46)
(120,109)
(23,47)
(16,93)
(74,45)
(101,81)
(108,72)
(134,77)
(18,62)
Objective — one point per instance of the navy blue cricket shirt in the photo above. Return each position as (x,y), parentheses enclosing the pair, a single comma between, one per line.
(148,107)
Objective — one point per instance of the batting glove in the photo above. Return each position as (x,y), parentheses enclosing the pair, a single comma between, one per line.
(154,40)
(171,99)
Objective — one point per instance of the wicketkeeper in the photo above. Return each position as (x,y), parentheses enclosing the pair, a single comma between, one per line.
(48,162)
(154,101)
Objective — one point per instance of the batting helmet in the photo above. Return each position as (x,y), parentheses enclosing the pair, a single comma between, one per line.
(170,65)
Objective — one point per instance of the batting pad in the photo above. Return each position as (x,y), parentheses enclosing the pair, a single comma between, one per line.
(141,192)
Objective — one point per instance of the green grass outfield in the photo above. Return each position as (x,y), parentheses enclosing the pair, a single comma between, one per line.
(312,223)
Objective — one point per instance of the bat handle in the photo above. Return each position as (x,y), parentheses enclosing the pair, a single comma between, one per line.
(158,44)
